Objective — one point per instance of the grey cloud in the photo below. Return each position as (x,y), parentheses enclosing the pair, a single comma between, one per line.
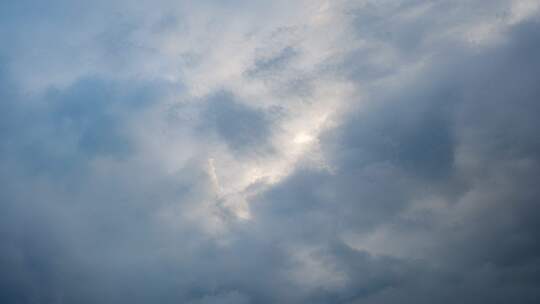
(226,298)
(273,63)
(240,126)
(244,129)
(62,129)
(87,216)
(462,131)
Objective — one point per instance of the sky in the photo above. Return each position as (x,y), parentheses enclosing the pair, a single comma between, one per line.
(284,151)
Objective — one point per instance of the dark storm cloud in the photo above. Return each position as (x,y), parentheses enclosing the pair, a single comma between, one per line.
(87,216)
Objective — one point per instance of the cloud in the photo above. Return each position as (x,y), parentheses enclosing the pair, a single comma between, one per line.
(304,152)
(240,126)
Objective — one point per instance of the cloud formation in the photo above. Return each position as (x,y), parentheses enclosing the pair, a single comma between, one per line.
(269,152)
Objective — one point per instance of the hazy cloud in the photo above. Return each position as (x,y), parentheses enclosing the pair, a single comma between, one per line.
(269,152)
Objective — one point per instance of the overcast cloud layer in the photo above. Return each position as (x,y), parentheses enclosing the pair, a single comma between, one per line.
(240,152)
